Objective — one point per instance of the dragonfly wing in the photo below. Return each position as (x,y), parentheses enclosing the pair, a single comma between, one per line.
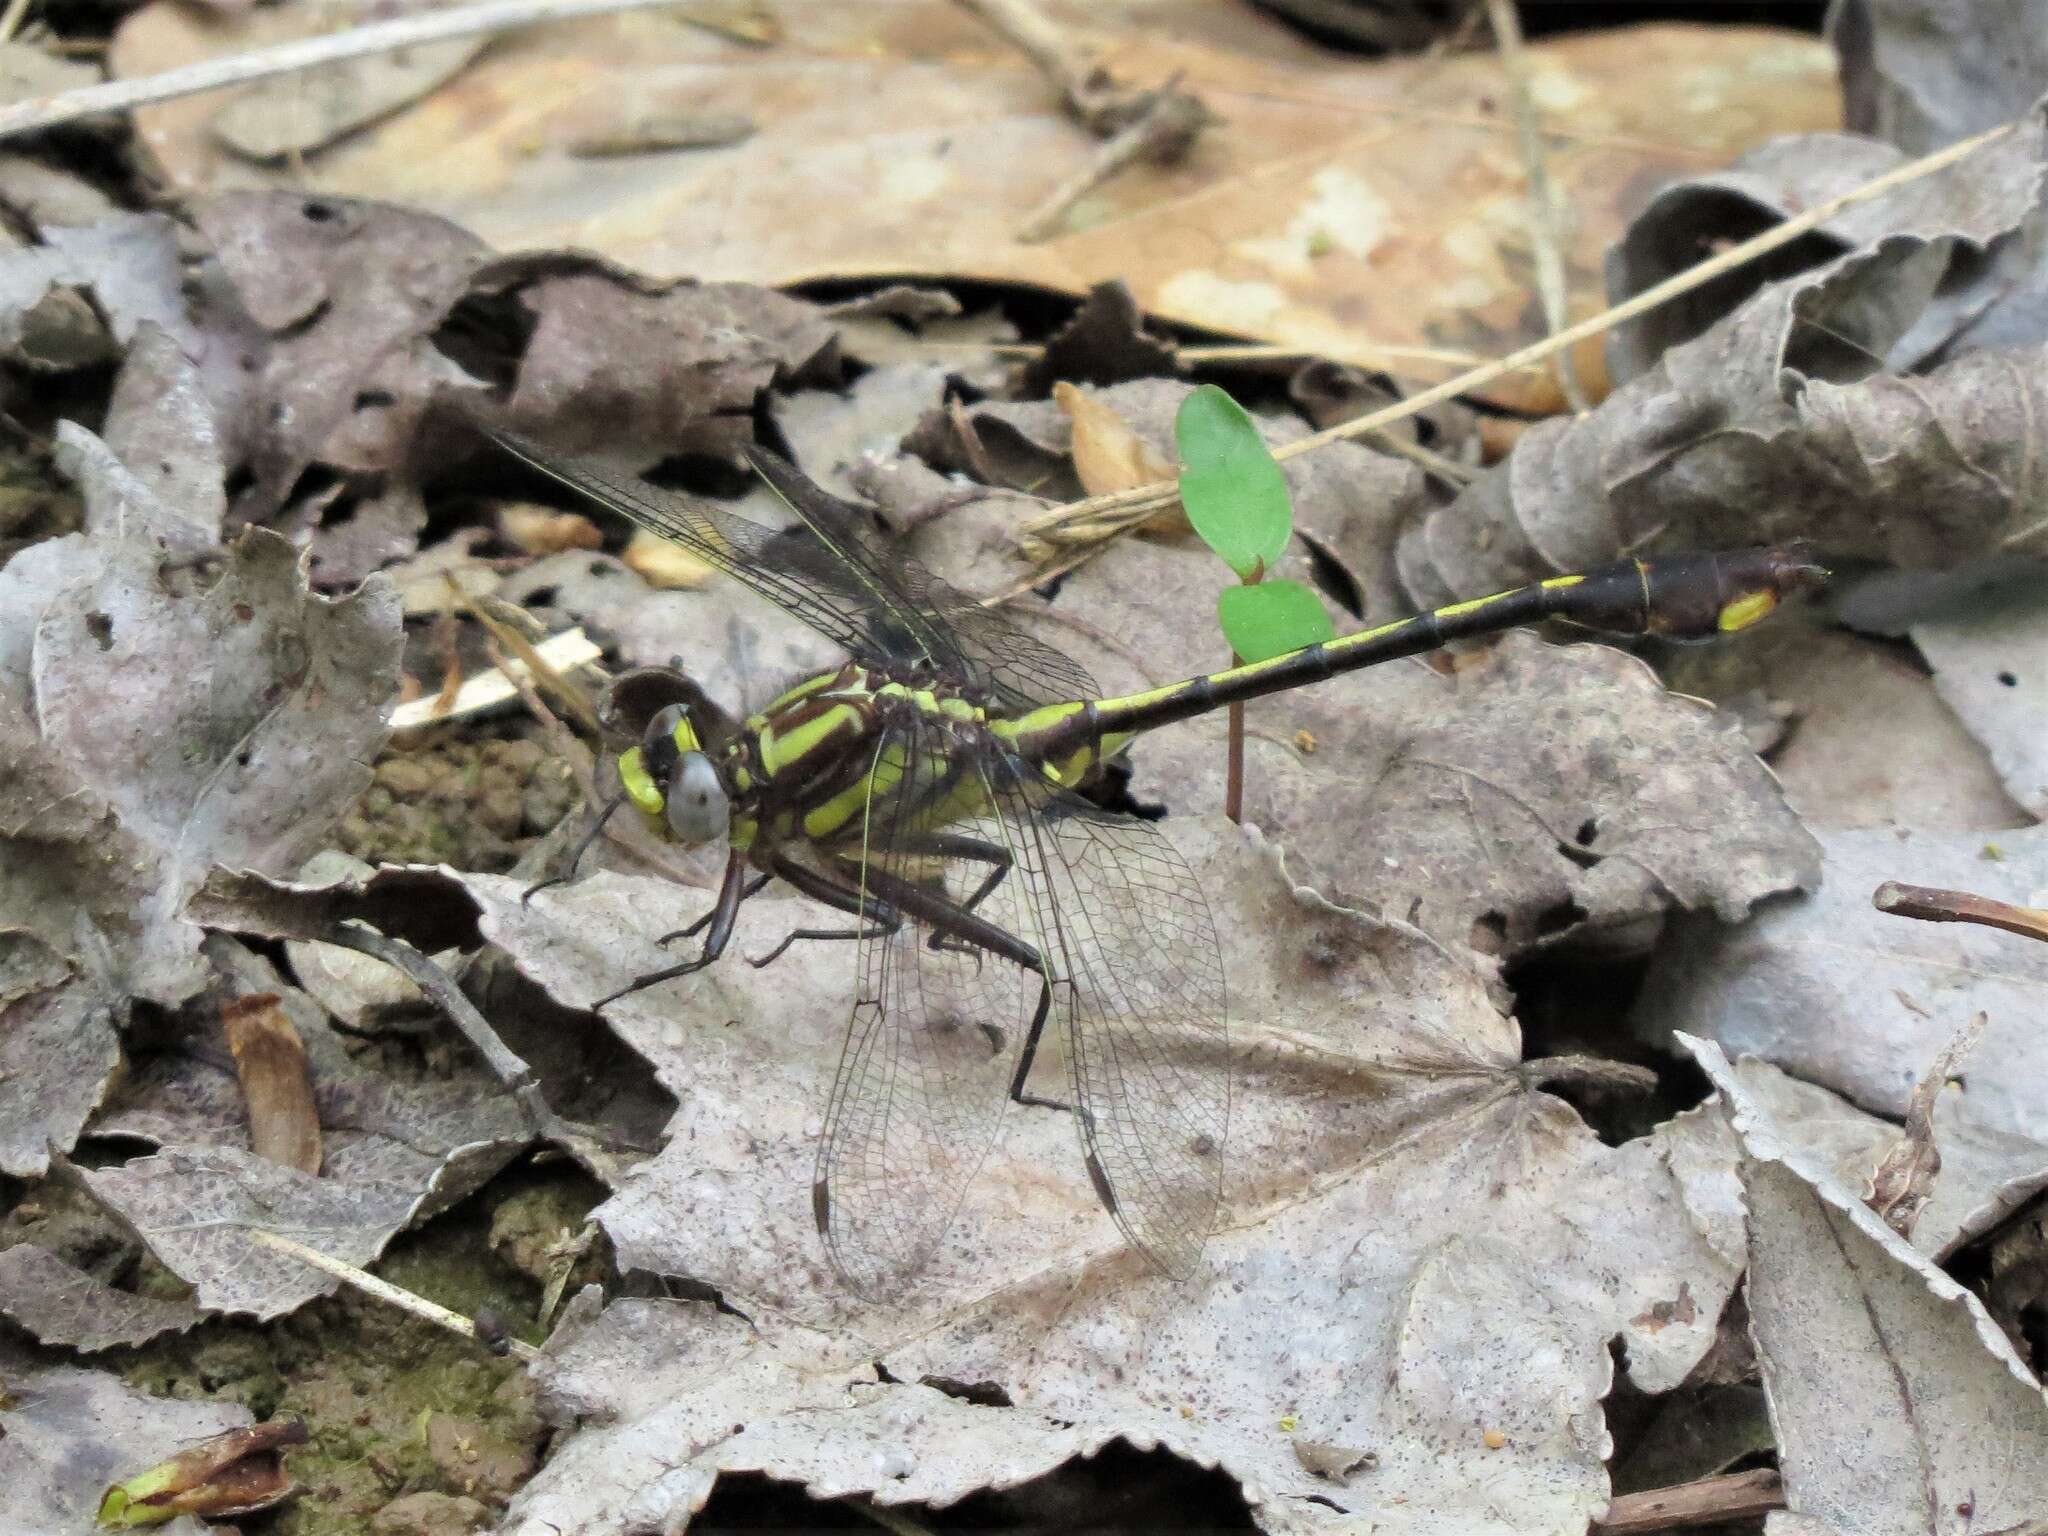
(1139,976)
(793,572)
(927,617)
(918,1097)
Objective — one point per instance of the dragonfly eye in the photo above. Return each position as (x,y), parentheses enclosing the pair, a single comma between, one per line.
(698,811)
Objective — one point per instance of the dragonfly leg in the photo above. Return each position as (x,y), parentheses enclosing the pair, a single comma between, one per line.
(955,845)
(582,847)
(698,926)
(731,893)
(882,918)
(1029,1054)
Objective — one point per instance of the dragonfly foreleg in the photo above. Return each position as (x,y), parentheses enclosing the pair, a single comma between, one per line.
(698,926)
(731,892)
(582,847)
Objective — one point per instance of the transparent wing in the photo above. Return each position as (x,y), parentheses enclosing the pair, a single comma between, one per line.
(1138,978)
(929,617)
(791,571)
(833,574)
(924,1077)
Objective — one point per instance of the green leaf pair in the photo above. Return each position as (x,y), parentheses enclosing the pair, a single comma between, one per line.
(1236,497)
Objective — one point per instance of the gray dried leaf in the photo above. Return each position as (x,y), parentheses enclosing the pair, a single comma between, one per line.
(345,294)
(624,365)
(149,733)
(439,1135)
(1923,73)
(300,113)
(378,531)
(44,196)
(1777,420)
(71,1432)
(1986,1174)
(58,1050)
(1896,1399)
(161,427)
(1991,666)
(131,264)
(1392,1175)
(829,433)
(1922,770)
(1706,452)
(1840,994)
(1105,342)
(75,876)
(59,1304)
(195,1207)
(232,728)
(121,505)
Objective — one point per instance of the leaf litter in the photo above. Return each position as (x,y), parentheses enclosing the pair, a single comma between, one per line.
(1403,1182)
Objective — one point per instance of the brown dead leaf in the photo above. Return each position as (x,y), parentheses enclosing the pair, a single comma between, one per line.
(1108,454)
(270,1059)
(1342,201)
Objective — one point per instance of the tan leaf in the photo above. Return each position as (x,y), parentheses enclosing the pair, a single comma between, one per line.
(1342,202)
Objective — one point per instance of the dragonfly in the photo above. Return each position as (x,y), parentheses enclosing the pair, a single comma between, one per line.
(930,791)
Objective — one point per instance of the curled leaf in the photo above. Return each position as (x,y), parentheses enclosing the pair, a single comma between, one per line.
(237,1472)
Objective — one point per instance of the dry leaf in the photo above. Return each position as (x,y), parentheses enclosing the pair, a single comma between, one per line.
(70,1432)
(1317,215)
(1904,1180)
(270,1060)
(1391,1175)
(300,113)
(1991,667)
(148,733)
(1108,455)
(1779,420)
(1840,994)
(1921,771)
(60,1305)
(663,563)
(1896,1399)
(544,531)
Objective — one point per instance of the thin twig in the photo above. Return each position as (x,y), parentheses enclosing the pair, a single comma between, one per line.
(1162,134)
(1136,505)
(41,112)
(384,1290)
(1932,905)
(10,23)
(1371,355)
(1709,1501)
(505,1064)
(1544,220)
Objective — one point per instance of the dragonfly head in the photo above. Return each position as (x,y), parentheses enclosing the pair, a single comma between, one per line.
(674,782)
